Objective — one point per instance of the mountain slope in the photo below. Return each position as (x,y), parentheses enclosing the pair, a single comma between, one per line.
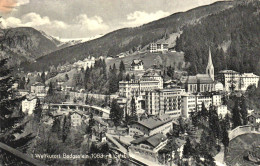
(25,43)
(126,39)
(233,36)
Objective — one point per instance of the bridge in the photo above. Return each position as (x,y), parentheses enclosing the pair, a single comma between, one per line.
(102,112)
(17,157)
(240,130)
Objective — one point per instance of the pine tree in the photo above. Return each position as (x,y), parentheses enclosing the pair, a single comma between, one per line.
(243,110)
(38,111)
(113,81)
(187,149)
(56,126)
(22,83)
(122,66)
(116,113)
(120,76)
(43,77)
(127,78)
(67,77)
(225,138)
(50,90)
(9,106)
(227,121)
(91,123)
(236,117)
(204,111)
(66,127)
(214,122)
(133,110)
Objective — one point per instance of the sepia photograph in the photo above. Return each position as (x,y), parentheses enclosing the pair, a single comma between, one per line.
(129,82)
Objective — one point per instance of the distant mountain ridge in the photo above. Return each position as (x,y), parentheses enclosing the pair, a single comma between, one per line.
(126,39)
(26,44)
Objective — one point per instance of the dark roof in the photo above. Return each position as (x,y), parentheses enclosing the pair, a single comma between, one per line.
(199,78)
(38,84)
(228,71)
(155,121)
(153,140)
(151,73)
(137,62)
(255,115)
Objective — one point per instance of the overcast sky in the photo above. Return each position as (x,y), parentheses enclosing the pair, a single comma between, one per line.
(88,18)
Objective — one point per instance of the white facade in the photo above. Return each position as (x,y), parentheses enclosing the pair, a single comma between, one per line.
(28,105)
(239,81)
(191,102)
(136,87)
(207,100)
(222,110)
(158,47)
(248,79)
(217,100)
(137,65)
(188,105)
(86,63)
(76,119)
(219,87)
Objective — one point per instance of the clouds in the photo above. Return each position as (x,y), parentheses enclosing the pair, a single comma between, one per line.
(32,20)
(140,17)
(81,25)
(93,24)
(87,18)
(22,2)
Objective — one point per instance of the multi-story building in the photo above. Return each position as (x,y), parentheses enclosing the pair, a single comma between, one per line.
(222,110)
(254,118)
(158,47)
(233,81)
(188,105)
(166,101)
(137,65)
(39,90)
(248,79)
(193,102)
(29,104)
(148,147)
(201,82)
(151,126)
(230,79)
(216,99)
(149,81)
(86,63)
(76,118)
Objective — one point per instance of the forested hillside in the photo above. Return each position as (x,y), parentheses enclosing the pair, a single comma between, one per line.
(127,39)
(233,36)
(26,44)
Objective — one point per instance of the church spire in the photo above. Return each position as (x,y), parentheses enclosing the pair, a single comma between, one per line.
(210,67)
(210,59)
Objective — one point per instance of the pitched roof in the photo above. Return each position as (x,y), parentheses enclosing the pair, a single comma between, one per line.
(137,62)
(228,71)
(151,73)
(155,121)
(199,78)
(38,84)
(153,140)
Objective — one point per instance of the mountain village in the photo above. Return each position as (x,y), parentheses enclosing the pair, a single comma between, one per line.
(139,107)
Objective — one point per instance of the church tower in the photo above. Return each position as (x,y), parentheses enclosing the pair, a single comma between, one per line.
(210,67)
